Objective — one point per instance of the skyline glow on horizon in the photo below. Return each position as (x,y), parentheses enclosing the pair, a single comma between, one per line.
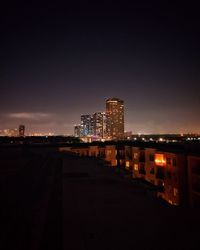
(33,120)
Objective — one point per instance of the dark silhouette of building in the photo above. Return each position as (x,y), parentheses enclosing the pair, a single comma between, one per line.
(21,130)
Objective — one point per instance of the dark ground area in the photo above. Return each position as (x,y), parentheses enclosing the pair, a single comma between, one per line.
(58,201)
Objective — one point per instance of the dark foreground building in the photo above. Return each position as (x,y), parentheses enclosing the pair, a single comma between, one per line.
(52,200)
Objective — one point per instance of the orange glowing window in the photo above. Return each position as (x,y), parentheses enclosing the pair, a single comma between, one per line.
(136,167)
(160,159)
(109,152)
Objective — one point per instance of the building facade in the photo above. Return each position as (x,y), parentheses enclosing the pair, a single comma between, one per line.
(194,180)
(77,130)
(115,118)
(171,174)
(87,125)
(99,119)
(21,130)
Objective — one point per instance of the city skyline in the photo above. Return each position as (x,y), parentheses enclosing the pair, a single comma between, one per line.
(59,62)
(105,125)
(32,118)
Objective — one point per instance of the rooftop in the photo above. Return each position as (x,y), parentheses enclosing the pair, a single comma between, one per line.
(61,201)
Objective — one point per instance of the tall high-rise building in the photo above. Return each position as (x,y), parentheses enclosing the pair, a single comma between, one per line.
(77,130)
(115,118)
(99,124)
(21,130)
(87,125)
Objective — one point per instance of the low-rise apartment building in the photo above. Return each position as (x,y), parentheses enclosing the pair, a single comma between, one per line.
(174,174)
(194,180)
(170,168)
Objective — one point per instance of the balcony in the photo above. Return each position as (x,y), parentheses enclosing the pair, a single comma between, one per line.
(128,154)
(152,171)
(142,158)
(142,171)
(160,174)
(102,154)
(151,157)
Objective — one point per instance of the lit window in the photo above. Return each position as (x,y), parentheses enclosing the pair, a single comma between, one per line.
(109,152)
(160,159)
(127,164)
(136,167)
(175,191)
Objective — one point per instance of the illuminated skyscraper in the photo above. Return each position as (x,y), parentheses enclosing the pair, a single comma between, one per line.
(99,124)
(77,130)
(21,130)
(87,125)
(115,118)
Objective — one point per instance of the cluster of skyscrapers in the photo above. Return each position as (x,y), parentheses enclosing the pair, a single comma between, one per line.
(13,132)
(108,125)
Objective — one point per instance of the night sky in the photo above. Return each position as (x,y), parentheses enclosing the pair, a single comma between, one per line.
(60,61)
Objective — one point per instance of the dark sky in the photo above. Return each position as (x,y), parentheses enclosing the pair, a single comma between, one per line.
(60,61)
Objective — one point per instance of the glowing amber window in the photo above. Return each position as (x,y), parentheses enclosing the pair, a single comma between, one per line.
(109,152)
(160,160)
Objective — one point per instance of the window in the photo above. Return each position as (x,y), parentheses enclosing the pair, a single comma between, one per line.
(121,153)
(175,191)
(142,170)
(142,157)
(160,160)
(169,174)
(135,155)
(151,157)
(128,154)
(136,167)
(174,161)
(160,173)
(109,152)
(152,171)
(168,161)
